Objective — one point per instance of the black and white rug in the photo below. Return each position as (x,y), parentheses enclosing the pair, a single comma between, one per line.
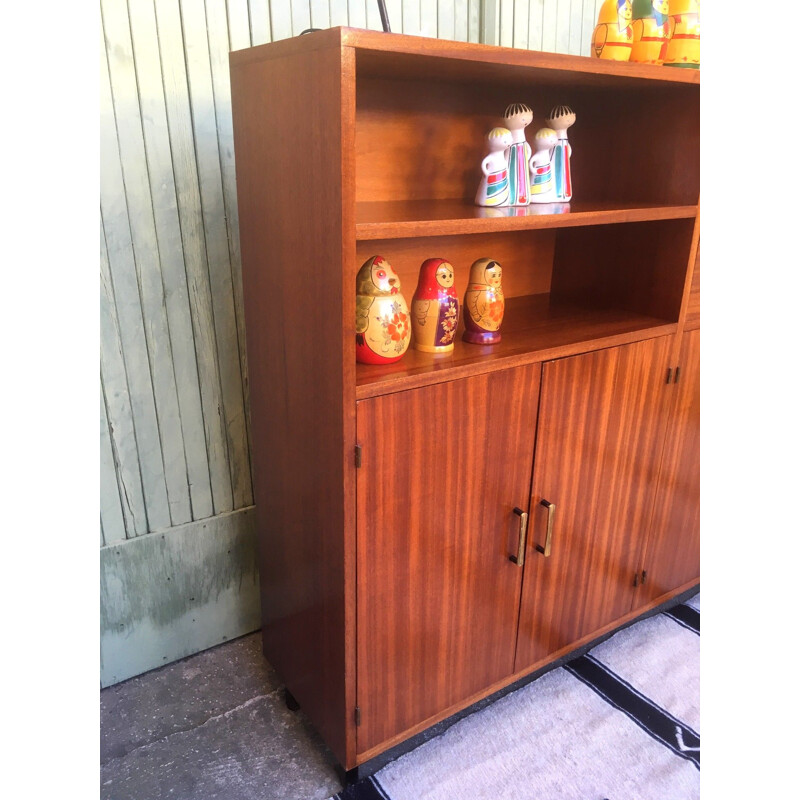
(621,722)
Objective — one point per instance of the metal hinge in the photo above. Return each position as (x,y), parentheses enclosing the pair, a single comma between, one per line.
(358,456)
(669,374)
(358,715)
(677,374)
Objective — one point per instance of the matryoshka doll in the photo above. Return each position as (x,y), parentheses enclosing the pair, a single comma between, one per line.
(483,303)
(434,308)
(493,189)
(613,36)
(683,49)
(383,329)
(651,30)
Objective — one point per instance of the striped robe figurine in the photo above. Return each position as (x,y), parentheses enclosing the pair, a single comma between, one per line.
(517,117)
(493,189)
(561,118)
(543,184)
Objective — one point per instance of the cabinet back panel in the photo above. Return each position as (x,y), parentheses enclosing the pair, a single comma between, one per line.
(526,258)
(638,267)
(426,140)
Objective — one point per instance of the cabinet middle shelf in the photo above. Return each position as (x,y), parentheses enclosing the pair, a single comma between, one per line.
(535,328)
(397,219)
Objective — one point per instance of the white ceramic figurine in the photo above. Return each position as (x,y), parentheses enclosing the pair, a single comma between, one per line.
(493,189)
(543,185)
(561,118)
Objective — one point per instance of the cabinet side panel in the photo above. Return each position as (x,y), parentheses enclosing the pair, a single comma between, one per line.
(287,115)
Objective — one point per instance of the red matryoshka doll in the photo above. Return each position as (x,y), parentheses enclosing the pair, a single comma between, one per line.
(382,325)
(483,303)
(434,308)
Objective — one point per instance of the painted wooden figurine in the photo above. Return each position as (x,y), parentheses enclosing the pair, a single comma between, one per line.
(543,184)
(613,36)
(517,117)
(651,30)
(483,303)
(383,329)
(434,308)
(561,118)
(683,49)
(493,189)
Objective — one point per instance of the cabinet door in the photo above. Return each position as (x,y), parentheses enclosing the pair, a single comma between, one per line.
(437,597)
(601,428)
(673,553)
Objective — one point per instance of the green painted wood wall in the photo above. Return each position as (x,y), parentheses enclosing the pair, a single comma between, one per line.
(177,539)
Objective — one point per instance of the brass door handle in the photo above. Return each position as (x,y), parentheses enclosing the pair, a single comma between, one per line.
(548,539)
(519,558)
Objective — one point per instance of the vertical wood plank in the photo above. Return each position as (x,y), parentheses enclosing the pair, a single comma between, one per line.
(112,520)
(535,14)
(562,18)
(338,11)
(129,310)
(300,12)
(520,36)
(576,25)
(549,15)
(163,194)
(357,13)
(238,26)
(462,13)
(394,8)
(588,21)
(373,15)
(147,258)
(220,76)
(212,202)
(446,19)
(412,24)
(506,30)
(118,403)
(320,14)
(179,115)
(428,19)
(474,12)
(260,23)
(280,15)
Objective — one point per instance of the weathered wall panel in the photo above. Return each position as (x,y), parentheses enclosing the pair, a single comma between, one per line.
(174,417)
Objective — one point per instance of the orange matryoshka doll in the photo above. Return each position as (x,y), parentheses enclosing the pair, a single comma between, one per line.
(483,303)
(383,331)
(651,28)
(434,308)
(613,36)
(683,49)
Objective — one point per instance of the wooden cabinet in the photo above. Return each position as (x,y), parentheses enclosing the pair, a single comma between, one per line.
(602,418)
(386,494)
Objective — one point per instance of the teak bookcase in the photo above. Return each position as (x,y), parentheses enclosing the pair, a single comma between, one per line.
(386,495)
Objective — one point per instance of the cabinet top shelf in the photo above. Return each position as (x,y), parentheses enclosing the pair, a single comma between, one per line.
(400,56)
(407,218)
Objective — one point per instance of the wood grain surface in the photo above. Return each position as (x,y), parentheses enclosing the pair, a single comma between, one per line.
(301,368)
(601,426)
(438,598)
(673,551)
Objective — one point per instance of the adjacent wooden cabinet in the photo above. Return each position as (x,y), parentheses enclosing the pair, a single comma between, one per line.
(433,530)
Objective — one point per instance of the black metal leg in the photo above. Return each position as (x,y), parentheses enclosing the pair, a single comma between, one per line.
(291,703)
(348,777)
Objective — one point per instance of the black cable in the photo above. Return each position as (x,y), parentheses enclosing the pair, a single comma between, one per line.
(384,16)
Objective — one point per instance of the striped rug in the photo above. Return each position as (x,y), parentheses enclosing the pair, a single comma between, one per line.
(617,723)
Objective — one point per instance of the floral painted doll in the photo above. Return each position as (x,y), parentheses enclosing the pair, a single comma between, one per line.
(484,303)
(383,329)
(434,308)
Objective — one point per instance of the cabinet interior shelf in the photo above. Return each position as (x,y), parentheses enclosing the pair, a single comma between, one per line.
(535,328)
(397,219)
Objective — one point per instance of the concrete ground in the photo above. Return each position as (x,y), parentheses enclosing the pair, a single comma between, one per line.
(214,725)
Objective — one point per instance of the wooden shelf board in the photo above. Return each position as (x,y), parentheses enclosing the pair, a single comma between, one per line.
(399,219)
(534,329)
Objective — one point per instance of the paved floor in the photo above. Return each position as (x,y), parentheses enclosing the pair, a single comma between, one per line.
(214,725)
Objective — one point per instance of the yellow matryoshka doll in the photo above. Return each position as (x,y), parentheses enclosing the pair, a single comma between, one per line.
(484,303)
(613,36)
(651,29)
(434,307)
(383,329)
(683,49)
